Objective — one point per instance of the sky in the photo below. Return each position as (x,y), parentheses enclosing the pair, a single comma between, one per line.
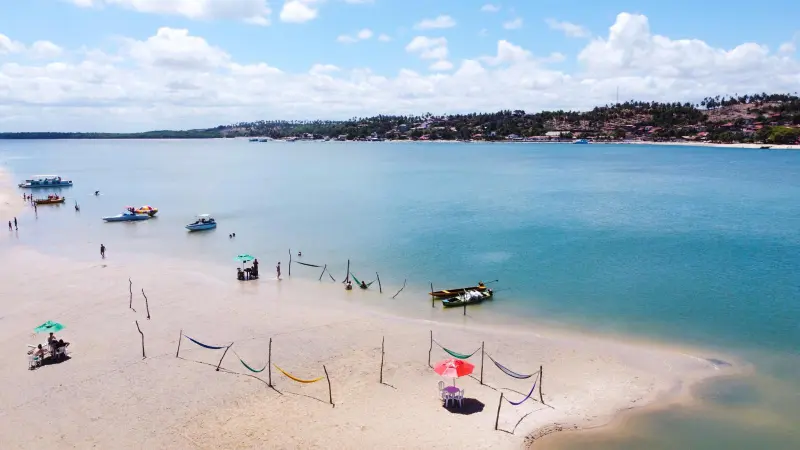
(136,65)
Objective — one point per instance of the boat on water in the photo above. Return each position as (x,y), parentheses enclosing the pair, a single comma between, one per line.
(580,141)
(467,298)
(146,209)
(45,181)
(203,222)
(448,293)
(127,216)
(50,200)
(253,139)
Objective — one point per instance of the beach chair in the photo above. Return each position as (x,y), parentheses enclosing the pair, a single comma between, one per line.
(60,352)
(459,397)
(34,361)
(441,390)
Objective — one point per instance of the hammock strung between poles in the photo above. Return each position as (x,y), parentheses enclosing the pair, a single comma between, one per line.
(456,354)
(358,282)
(248,367)
(526,397)
(211,347)
(510,372)
(299,380)
(306,264)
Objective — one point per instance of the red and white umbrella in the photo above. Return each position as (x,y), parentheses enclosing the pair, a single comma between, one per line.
(453,368)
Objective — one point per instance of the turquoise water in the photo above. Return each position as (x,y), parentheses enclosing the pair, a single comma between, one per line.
(694,245)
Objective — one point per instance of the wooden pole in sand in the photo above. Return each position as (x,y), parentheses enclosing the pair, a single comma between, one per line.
(269,363)
(130,289)
(499,404)
(223,356)
(140,332)
(290,262)
(430,350)
(380,288)
(465,308)
(482,362)
(382,341)
(323,272)
(347,276)
(401,289)
(330,393)
(180,338)
(146,305)
(541,399)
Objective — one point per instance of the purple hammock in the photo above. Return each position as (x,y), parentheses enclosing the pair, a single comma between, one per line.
(510,372)
(204,345)
(526,397)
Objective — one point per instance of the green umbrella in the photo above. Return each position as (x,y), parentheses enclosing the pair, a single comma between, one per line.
(48,327)
(244,258)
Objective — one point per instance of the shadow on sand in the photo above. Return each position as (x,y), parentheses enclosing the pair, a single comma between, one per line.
(468,406)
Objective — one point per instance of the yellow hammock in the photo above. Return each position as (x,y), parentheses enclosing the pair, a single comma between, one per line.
(297,379)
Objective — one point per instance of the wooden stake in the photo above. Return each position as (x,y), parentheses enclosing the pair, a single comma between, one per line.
(269,363)
(290,262)
(323,272)
(179,344)
(140,332)
(330,393)
(430,350)
(432,297)
(482,362)
(541,399)
(401,289)
(382,341)
(465,308)
(499,404)
(333,279)
(347,276)
(380,288)
(146,305)
(223,356)
(130,289)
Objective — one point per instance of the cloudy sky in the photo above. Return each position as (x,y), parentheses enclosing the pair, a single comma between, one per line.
(134,65)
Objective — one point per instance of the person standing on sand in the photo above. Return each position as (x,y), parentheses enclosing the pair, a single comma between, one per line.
(9,225)
(15,224)
(278,269)
(103,251)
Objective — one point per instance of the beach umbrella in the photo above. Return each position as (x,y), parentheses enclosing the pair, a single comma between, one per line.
(244,258)
(48,327)
(453,368)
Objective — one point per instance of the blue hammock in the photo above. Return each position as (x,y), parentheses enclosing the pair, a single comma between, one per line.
(204,345)
(510,372)
(526,397)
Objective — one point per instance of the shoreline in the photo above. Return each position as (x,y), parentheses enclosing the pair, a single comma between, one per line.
(578,402)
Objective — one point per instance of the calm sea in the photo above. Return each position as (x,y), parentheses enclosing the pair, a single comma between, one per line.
(681,244)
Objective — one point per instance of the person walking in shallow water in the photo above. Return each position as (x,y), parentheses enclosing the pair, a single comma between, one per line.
(9,225)
(278,269)
(102,251)
(15,224)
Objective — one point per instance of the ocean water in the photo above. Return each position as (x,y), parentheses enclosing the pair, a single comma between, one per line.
(680,244)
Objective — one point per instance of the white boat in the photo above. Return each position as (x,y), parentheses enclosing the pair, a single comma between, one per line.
(127,216)
(203,222)
(45,181)
(580,141)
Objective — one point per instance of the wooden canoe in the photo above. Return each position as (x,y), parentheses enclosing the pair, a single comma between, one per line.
(454,292)
(459,300)
(49,201)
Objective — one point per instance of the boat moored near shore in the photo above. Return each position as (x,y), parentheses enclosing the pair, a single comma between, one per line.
(127,216)
(45,181)
(203,222)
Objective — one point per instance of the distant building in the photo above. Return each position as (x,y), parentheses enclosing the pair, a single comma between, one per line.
(402,128)
(553,134)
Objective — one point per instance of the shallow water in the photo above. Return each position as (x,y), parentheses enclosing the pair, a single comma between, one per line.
(694,245)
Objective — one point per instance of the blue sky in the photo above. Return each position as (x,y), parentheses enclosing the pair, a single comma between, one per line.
(560,54)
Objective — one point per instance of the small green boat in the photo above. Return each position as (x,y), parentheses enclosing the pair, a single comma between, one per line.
(467,298)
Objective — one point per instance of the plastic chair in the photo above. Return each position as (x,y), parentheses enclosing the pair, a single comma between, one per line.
(448,397)
(459,397)
(441,390)
(33,362)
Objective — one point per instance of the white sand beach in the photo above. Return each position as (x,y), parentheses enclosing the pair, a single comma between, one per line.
(106,395)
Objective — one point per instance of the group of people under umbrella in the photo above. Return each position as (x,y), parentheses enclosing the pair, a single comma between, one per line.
(54,350)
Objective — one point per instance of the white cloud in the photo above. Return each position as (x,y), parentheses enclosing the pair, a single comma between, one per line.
(787,47)
(298,11)
(441,66)
(9,46)
(514,24)
(45,49)
(251,11)
(570,29)
(384,38)
(490,8)
(361,35)
(442,21)
(176,79)
(428,48)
